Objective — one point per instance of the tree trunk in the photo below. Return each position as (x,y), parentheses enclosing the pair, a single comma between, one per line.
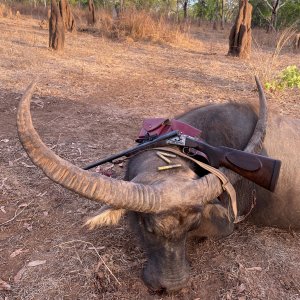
(273,22)
(296,42)
(122,5)
(240,34)
(67,16)
(177,10)
(185,5)
(199,16)
(56,28)
(215,22)
(223,15)
(91,19)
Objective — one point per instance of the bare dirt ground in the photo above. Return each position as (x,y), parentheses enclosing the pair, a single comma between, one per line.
(89,103)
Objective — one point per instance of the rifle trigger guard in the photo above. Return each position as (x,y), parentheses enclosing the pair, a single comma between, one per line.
(187,151)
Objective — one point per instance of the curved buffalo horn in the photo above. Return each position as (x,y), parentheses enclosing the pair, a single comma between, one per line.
(255,143)
(118,193)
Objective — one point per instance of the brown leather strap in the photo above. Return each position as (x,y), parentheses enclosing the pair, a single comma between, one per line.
(227,186)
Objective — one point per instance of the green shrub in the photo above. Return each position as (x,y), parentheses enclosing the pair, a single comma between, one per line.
(288,78)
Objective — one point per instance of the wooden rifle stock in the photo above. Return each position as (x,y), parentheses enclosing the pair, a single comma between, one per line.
(262,170)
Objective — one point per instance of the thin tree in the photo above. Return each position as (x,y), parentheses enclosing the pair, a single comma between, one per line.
(216,16)
(185,6)
(122,3)
(177,10)
(91,18)
(200,3)
(275,5)
(223,14)
(56,28)
(240,34)
(119,7)
(296,42)
(219,14)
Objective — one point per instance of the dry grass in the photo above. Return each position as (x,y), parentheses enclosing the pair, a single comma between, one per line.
(267,50)
(136,25)
(18,9)
(5,11)
(38,12)
(267,63)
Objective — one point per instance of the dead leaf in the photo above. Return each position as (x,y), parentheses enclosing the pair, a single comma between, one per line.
(105,168)
(18,252)
(254,269)
(42,194)
(106,171)
(241,288)
(38,102)
(36,263)
(2,208)
(4,286)
(19,275)
(27,166)
(23,205)
(228,296)
(5,140)
(28,226)
(241,267)
(97,248)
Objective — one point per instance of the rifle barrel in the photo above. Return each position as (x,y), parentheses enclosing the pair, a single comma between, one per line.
(132,150)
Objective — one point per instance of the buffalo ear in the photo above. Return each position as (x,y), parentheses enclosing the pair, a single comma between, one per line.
(215,221)
(108,216)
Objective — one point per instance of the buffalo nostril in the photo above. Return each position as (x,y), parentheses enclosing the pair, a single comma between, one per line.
(159,284)
(158,292)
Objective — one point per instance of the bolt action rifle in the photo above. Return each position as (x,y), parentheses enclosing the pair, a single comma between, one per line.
(262,170)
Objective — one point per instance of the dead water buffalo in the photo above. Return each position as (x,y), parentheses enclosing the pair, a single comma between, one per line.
(164,207)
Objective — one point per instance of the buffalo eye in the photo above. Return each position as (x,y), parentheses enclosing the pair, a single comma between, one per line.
(146,223)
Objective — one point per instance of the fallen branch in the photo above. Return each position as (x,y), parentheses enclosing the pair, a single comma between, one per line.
(3,183)
(16,214)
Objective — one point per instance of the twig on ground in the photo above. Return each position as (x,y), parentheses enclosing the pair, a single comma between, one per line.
(95,249)
(3,183)
(10,163)
(16,214)
(27,166)
(51,121)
